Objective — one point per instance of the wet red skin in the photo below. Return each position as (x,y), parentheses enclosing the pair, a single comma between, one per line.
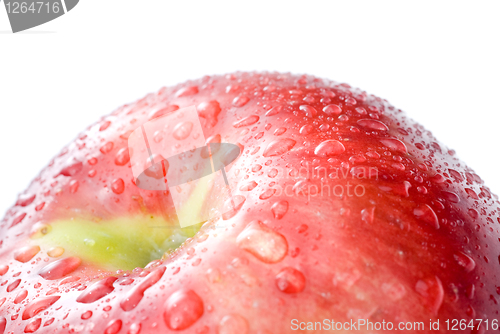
(354,266)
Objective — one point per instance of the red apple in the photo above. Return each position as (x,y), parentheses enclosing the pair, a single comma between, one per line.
(342,209)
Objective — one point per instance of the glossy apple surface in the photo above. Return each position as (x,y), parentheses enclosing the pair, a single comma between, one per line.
(342,208)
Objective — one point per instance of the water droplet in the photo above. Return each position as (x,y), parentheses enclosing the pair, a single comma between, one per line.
(127,281)
(72,168)
(309,99)
(351,101)
(373,124)
(86,315)
(232,206)
(272,173)
(18,219)
(106,148)
(306,129)
(332,109)
(113,327)
(40,206)
(465,261)
(295,252)
(471,193)
(394,144)
(432,293)
(182,130)
(273,111)
(473,213)
(290,280)
(3,269)
(402,188)
(361,111)
(122,157)
(240,101)
(209,111)
(264,243)
(308,110)
(239,262)
(20,296)
(259,135)
(187,91)
(233,323)
(13,285)
(450,196)
(279,147)
(399,188)
(256,167)
(232,88)
(158,170)
(134,296)
(33,326)
(438,178)
(248,186)
(135,328)
(161,112)
(60,268)
(190,251)
(89,242)
(38,305)
(25,200)
(329,148)
(252,119)
(302,228)
(346,278)
(279,209)
(279,131)
(49,322)
(158,136)
(26,253)
(267,194)
(422,190)
(426,213)
(215,139)
(118,186)
(324,127)
(202,238)
(92,161)
(97,290)
(182,309)
(104,125)
(456,175)
(367,215)
(213,275)
(304,188)
(395,291)
(73,186)
(55,252)
(69,279)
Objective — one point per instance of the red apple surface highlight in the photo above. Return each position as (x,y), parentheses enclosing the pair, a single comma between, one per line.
(342,208)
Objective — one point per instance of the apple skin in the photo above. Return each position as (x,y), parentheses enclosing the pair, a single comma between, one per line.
(421,242)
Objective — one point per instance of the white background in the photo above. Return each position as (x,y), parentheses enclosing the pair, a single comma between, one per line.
(438,61)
